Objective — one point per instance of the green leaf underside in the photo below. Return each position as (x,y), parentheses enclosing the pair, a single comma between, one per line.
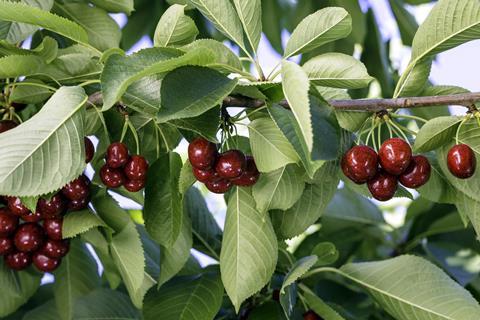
(298,269)
(175,28)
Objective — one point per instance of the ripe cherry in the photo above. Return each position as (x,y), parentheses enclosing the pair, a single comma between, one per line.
(134,185)
(117,155)
(29,237)
(111,177)
(202,153)
(219,186)
(16,207)
(8,222)
(44,263)
(205,175)
(383,186)
(417,173)
(6,246)
(32,217)
(461,161)
(77,205)
(311,315)
(89,150)
(231,164)
(6,125)
(360,164)
(51,208)
(18,260)
(136,168)
(53,228)
(250,176)
(55,249)
(77,189)
(395,155)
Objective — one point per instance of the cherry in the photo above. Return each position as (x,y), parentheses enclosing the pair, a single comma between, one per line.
(77,205)
(32,217)
(117,155)
(55,249)
(202,153)
(383,186)
(231,164)
(111,177)
(8,222)
(44,263)
(219,186)
(311,315)
(136,168)
(16,207)
(29,237)
(89,150)
(205,175)
(77,189)
(134,185)
(6,125)
(395,155)
(51,208)
(417,173)
(461,161)
(53,228)
(6,246)
(18,260)
(250,176)
(360,164)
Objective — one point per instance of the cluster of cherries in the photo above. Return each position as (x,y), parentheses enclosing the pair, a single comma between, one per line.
(122,169)
(220,171)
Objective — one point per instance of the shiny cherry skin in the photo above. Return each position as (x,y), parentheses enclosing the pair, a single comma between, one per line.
(231,164)
(33,217)
(16,207)
(136,168)
(53,228)
(77,205)
(89,150)
(117,155)
(18,260)
(395,155)
(6,125)
(134,185)
(219,186)
(360,164)
(311,315)
(55,249)
(461,161)
(202,153)
(44,263)
(111,177)
(417,173)
(8,222)
(250,176)
(206,175)
(77,189)
(6,246)
(29,237)
(51,208)
(383,186)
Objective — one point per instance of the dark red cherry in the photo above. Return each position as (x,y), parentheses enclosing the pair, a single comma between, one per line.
(383,186)
(18,260)
(6,125)
(461,161)
(53,228)
(117,155)
(8,222)
(44,263)
(77,189)
(29,237)
(16,207)
(219,186)
(55,249)
(6,246)
(417,173)
(89,150)
(395,155)
(51,208)
(205,175)
(360,164)
(77,205)
(33,217)
(202,153)
(231,164)
(134,185)
(311,315)
(111,177)
(136,168)
(250,176)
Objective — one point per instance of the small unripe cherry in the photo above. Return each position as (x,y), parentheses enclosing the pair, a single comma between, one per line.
(360,164)
(461,161)
(395,155)
(417,173)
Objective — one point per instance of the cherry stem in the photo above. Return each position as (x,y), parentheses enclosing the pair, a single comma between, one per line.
(370,132)
(389,128)
(250,114)
(124,129)
(361,132)
(457,135)
(135,135)
(379,134)
(411,117)
(157,139)
(399,130)
(102,120)
(163,137)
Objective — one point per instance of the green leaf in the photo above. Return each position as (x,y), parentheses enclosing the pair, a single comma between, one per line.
(196,298)
(76,223)
(30,94)
(320,307)
(317,29)
(46,311)
(438,188)
(109,210)
(395,285)
(469,207)
(105,304)
(175,28)
(16,65)
(46,152)
(270,148)
(249,249)
(186,179)
(337,70)
(163,202)
(250,14)
(435,133)
(272,15)
(406,21)
(205,125)
(279,189)
(298,269)
(115,6)
(326,252)
(202,89)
